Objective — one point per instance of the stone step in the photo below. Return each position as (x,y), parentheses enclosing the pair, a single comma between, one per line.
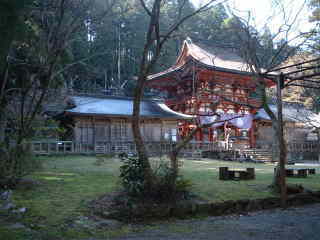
(266,153)
(260,155)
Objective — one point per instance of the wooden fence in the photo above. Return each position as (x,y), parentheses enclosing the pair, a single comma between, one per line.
(294,146)
(155,148)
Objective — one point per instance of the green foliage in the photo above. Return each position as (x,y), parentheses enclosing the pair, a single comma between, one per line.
(16,162)
(131,176)
(165,187)
(11,25)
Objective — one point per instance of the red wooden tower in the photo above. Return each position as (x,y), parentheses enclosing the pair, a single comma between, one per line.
(207,80)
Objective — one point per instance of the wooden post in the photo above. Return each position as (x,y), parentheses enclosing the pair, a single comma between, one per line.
(282,151)
(251,173)
(223,173)
(93,126)
(252,137)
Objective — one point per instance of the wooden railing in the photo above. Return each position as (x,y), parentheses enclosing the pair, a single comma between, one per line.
(294,146)
(310,146)
(155,148)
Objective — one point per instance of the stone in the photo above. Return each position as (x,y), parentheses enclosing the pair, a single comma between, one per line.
(17,226)
(215,209)
(160,211)
(109,223)
(204,208)
(302,198)
(294,189)
(270,203)
(22,210)
(241,205)
(27,184)
(253,205)
(6,196)
(7,206)
(182,210)
(109,214)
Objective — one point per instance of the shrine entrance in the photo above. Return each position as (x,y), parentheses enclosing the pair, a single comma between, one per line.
(215,86)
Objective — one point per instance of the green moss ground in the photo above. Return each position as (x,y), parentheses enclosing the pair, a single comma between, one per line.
(68,183)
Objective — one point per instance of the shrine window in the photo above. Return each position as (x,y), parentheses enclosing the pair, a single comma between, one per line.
(170,134)
(244,133)
(220,111)
(180,90)
(119,130)
(202,108)
(253,94)
(191,110)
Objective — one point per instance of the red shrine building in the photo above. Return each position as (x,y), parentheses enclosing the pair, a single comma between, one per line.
(216,86)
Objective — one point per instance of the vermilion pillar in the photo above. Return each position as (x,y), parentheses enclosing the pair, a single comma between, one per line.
(252,136)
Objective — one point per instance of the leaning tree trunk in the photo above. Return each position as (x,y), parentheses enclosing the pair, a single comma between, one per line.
(276,156)
(2,126)
(141,150)
(318,143)
(280,153)
(173,155)
(280,174)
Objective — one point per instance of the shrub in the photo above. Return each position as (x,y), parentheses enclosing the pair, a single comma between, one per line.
(165,188)
(131,176)
(16,162)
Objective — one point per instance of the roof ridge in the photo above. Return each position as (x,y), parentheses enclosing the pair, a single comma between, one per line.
(115,97)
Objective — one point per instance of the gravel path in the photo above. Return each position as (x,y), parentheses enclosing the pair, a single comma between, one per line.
(293,223)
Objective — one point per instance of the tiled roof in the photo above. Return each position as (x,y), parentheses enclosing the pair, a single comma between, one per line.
(121,107)
(291,113)
(220,59)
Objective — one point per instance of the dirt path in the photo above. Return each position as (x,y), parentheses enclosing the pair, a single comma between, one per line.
(292,224)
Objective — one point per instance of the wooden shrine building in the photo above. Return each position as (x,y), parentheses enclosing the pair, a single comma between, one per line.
(205,81)
(106,121)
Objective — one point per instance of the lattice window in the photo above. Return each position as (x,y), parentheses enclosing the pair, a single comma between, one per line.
(119,130)
(102,132)
(84,133)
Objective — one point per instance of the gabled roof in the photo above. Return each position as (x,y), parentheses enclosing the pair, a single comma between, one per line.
(292,112)
(113,106)
(214,58)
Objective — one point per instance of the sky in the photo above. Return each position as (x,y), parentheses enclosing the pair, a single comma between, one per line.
(263,13)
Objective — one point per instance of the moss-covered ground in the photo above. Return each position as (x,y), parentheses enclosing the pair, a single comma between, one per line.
(69,183)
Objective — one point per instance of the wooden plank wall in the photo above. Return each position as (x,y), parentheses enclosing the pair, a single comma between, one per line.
(90,129)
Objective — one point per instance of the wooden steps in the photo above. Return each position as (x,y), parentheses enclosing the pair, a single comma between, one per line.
(259,155)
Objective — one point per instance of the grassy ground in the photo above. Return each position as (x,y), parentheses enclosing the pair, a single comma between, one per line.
(68,183)
(205,173)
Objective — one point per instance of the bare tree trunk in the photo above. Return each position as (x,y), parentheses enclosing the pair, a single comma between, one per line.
(141,150)
(3,84)
(282,147)
(153,43)
(275,156)
(175,152)
(318,143)
(2,126)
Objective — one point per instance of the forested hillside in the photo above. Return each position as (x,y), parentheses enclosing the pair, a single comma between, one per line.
(48,47)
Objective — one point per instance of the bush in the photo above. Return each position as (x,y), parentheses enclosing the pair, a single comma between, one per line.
(16,162)
(131,176)
(164,187)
